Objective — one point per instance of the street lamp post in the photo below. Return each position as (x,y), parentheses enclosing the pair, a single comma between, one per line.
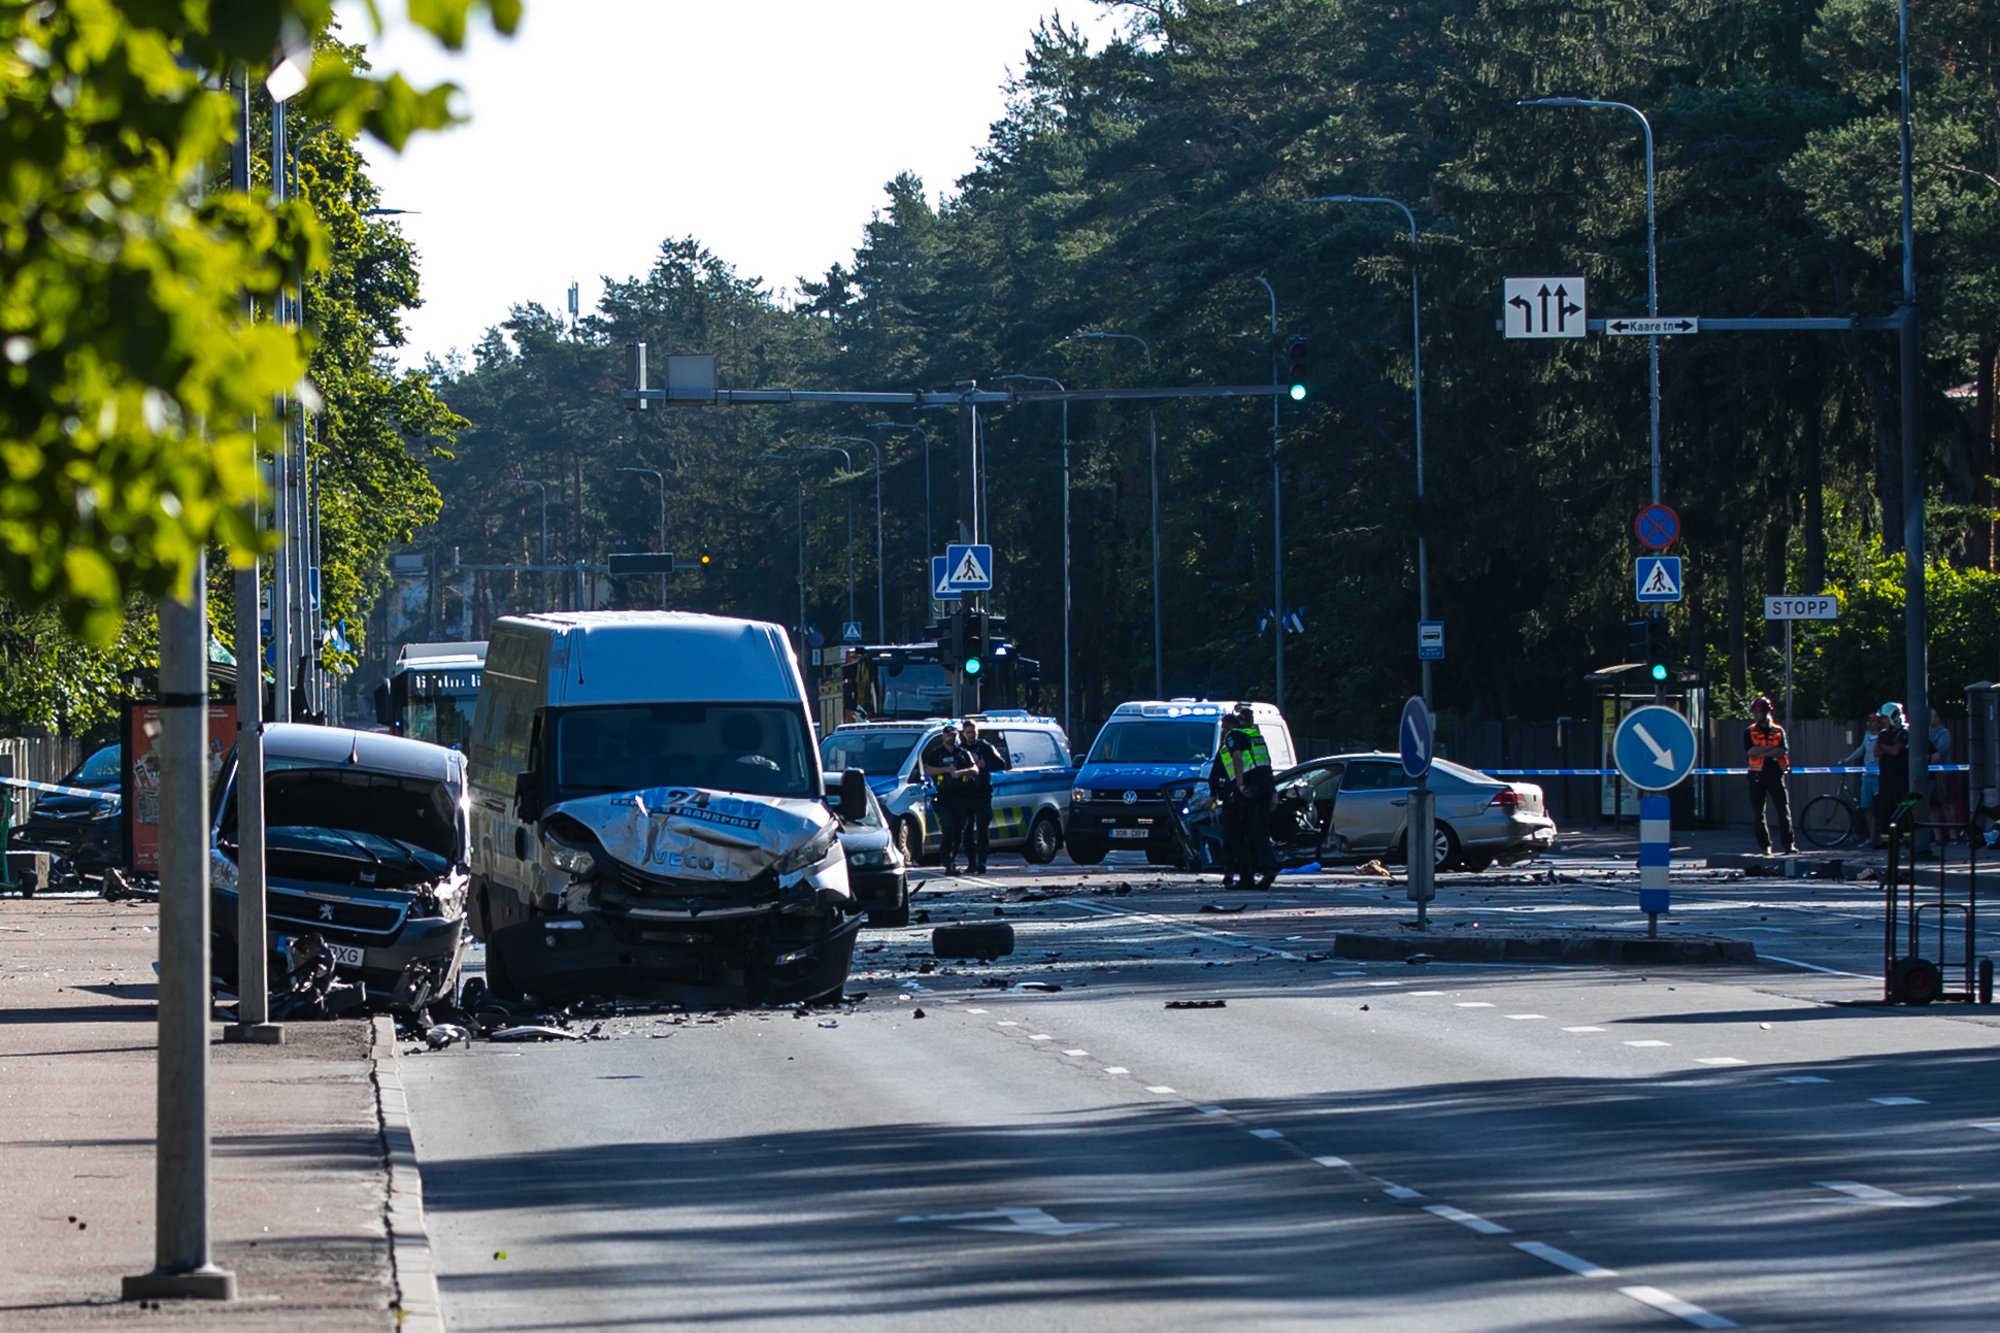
(929,550)
(1652,259)
(881,612)
(1153,468)
(1417,381)
(661,482)
(1044,379)
(1278,507)
(547,604)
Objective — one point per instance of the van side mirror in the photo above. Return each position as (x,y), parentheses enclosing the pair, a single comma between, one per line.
(853,794)
(528,795)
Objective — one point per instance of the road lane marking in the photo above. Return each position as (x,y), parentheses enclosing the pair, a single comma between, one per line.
(1471,1221)
(1162,1089)
(1899,1101)
(1008,1023)
(1720,1060)
(1474,1004)
(1649,1042)
(1668,1303)
(975,1011)
(1881,1198)
(1036,1221)
(1815,967)
(1523,1018)
(1040,1036)
(1426,992)
(1116,1069)
(1990,1126)
(1182,928)
(1076,1052)
(1211,1110)
(1401,1191)
(1563,1259)
(1804,1078)
(1333,1161)
(1583,1029)
(1266,1134)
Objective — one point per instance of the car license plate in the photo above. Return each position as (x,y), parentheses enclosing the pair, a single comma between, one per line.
(347,955)
(1130,832)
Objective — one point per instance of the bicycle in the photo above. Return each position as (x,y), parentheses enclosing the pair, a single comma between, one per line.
(1833,818)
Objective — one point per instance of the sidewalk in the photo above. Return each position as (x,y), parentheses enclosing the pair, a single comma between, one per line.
(299,1181)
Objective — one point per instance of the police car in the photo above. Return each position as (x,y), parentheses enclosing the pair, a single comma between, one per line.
(1030,800)
(1152,757)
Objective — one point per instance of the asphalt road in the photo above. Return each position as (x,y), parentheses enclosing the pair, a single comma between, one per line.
(1354,1145)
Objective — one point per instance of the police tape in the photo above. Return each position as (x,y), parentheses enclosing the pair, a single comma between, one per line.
(88,793)
(1697,772)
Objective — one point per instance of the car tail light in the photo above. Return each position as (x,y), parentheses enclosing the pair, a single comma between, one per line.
(1506,800)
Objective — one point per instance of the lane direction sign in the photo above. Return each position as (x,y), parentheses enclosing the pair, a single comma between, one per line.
(1657,578)
(941,589)
(1543,307)
(1658,527)
(1415,737)
(1664,324)
(1653,748)
(969,567)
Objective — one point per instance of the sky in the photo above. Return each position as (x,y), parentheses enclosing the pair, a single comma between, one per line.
(766,131)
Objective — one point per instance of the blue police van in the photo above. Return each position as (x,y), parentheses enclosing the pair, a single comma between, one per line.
(1030,800)
(1152,758)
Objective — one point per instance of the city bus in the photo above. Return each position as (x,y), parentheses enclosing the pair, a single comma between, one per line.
(431,690)
(885,682)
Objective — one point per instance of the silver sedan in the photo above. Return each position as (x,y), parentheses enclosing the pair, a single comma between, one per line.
(1355,807)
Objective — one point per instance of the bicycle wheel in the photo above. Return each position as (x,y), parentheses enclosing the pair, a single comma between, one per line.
(1827,821)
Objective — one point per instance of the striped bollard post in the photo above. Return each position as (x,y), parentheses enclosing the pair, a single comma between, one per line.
(1655,855)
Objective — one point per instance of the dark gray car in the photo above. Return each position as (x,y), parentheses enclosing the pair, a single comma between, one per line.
(365,845)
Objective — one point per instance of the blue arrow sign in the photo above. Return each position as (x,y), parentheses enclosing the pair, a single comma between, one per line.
(1653,748)
(1415,737)
(969,568)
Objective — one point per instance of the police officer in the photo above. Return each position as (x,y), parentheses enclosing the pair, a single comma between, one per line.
(1247,761)
(1769,760)
(952,770)
(987,759)
(1235,868)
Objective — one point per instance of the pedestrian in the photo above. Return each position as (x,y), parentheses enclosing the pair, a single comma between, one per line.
(1892,753)
(987,759)
(1770,763)
(1247,760)
(1235,867)
(1871,767)
(951,770)
(1946,808)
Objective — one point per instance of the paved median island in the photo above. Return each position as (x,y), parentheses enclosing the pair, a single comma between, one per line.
(298,1170)
(1576,946)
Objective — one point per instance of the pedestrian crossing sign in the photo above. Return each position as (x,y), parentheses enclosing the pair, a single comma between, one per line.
(941,589)
(968,568)
(1657,578)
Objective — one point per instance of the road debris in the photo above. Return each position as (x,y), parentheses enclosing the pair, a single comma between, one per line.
(1197,1004)
(534,1032)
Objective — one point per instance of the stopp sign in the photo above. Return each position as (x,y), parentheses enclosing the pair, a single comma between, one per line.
(1657,527)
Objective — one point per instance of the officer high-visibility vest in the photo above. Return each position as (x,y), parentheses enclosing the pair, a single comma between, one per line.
(1236,765)
(1771,735)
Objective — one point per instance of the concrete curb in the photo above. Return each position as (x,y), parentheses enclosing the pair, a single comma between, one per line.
(410,1255)
(1460,947)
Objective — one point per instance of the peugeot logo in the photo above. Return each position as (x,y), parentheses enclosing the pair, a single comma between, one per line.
(326,911)
(1131,798)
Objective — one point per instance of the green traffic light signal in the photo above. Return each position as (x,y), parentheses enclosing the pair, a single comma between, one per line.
(1300,353)
(973,666)
(1298,393)
(1659,671)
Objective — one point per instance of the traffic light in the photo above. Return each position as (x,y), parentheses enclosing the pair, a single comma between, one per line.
(1299,352)
(951,641)
(1652,644)
(975,643)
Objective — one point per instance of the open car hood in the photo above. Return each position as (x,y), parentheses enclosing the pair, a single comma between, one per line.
(695,833)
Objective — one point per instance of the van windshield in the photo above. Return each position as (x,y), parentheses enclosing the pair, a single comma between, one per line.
(756,749)
(1155,741)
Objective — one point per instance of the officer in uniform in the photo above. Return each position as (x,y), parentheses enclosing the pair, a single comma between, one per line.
(1769,760)
(1247,761)
(951,767)
(1235,869)
(987,760)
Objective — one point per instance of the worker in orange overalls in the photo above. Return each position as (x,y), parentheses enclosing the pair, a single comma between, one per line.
(1770,763)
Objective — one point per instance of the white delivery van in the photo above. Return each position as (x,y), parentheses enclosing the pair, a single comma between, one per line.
(647,816)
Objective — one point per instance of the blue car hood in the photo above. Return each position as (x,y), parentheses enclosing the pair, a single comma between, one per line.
(1114,776)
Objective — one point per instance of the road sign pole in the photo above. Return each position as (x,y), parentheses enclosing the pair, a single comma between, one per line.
(1422,853)
(1655,858)
(1788,678)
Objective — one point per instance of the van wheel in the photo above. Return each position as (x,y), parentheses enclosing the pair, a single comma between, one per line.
(1044,840)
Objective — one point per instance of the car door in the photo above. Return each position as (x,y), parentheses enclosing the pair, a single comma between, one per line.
(1372,805)
(1301,819)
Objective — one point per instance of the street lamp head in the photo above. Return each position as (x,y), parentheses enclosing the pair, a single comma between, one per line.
(1555,101)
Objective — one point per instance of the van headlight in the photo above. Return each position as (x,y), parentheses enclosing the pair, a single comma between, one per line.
(1079,795)
(809,853)
(572,859)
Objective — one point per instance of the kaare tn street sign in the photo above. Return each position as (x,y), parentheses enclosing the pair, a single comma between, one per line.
(1663,324)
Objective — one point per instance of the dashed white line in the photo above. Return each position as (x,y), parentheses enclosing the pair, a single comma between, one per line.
(1649,1043)
(1881,1198)
(1211,1110)
(1523,1018)
(1266,1134)
(1474,1004)
(1333,1161)
(1008,1023)
(1116,1069)
(1161,1089)
(1426,992)
(1583,1029)
(1990,1126)
(1385,983)
(1471,1221)
(975,1011)
(1075,1052)
(1720,1060)
(1040,1036)
(1668,1303)
(1899,1101)
(1402,1192)
(1563,1259)
(1803,1078)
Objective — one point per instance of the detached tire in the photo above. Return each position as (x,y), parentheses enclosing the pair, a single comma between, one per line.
(975,939)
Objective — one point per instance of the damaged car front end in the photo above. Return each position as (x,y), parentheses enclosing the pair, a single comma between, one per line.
(689,895)
(366,841)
